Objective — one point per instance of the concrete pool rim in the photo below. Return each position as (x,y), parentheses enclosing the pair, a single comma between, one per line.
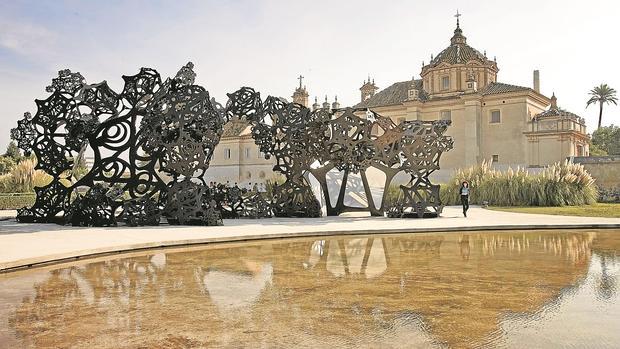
(102,252)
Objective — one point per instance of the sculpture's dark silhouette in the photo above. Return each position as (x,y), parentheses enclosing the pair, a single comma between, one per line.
(153,142)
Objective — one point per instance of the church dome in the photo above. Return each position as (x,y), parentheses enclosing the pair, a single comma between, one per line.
(458,52)
(457,67)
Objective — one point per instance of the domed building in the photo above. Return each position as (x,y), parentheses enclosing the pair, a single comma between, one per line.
(506,124)
(503,123)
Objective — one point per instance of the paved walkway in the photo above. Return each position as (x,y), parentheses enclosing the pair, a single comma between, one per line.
(5,214)
(30,244)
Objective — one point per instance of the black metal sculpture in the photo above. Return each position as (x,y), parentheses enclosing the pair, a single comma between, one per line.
(285,131)
(421,144)
(149,130)
(153,142)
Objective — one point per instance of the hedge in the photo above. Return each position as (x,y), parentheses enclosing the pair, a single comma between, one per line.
(13,201)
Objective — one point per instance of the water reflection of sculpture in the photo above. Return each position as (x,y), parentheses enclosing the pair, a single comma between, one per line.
(152,144)
(302,289)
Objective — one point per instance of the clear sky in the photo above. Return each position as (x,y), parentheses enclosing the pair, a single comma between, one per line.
(334,44)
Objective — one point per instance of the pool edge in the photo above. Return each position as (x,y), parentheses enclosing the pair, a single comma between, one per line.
(51,259)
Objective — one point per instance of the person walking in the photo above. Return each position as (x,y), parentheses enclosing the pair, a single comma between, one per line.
(464,191)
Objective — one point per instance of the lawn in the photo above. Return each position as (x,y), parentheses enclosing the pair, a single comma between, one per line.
(596,210)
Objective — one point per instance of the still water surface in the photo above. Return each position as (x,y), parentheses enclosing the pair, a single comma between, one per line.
(522,289)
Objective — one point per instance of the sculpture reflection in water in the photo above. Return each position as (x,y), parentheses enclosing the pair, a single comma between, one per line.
(152,143)
(363,291)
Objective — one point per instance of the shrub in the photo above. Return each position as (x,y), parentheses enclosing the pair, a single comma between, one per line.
(557,185)
(23,178)
(270,184)
(393,194)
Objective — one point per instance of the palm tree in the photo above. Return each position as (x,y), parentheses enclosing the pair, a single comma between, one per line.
(602,94)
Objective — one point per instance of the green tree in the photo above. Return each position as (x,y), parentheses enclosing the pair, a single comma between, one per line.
(602,94)
(596,151)
(6,164)
(13,152)
(606,139)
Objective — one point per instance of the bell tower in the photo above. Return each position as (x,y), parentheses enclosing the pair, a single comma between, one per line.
(300,96)
(368,89)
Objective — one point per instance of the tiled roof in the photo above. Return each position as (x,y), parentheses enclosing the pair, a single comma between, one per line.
(458,54)
(498,87)
(395,94)
(234,128)
(557,112)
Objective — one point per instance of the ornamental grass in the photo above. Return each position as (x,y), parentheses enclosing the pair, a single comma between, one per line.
(561,184)
(23,178)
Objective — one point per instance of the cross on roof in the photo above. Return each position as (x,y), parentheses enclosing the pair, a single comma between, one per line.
(457,15)
(300,78)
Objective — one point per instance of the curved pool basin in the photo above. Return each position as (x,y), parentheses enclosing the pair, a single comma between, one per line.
(516,289)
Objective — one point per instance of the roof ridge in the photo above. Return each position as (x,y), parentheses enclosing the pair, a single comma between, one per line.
(501,87)
(512,85)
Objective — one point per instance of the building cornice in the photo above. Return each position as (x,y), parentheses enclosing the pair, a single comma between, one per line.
(536,134)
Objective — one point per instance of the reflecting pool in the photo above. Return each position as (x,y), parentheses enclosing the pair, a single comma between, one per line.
(520,289)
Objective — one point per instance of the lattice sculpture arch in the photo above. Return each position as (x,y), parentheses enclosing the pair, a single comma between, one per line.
(412,147)
(153,142)
(315,142)
(421,146)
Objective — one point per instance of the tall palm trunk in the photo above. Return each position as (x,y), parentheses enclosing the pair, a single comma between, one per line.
(600,114)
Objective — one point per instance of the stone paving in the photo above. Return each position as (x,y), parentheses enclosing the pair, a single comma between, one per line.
(30,244)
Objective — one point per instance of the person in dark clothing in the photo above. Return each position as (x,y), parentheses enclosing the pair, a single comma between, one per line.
(464,192)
